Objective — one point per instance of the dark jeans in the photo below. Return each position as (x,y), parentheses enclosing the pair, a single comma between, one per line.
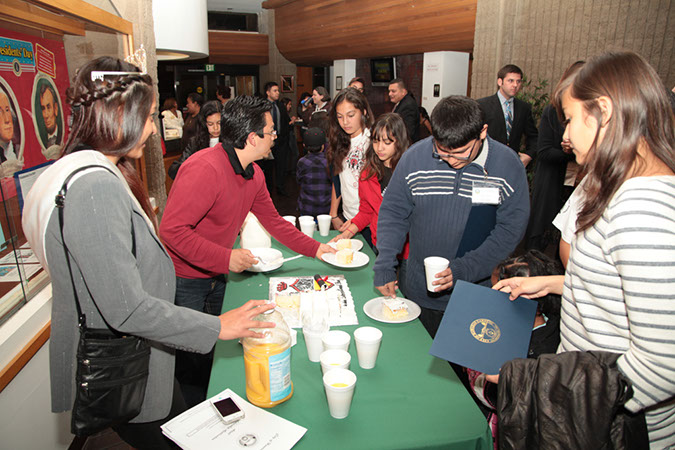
(201,294)
(148,435)
(193,369)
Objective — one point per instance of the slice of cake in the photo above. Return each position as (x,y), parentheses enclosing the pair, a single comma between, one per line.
(394,309)
(344,243)
(288,301)
(345,256)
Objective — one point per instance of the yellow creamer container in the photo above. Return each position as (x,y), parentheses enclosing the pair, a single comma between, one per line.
(267,362)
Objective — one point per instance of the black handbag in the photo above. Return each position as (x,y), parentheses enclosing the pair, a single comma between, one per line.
(112,368)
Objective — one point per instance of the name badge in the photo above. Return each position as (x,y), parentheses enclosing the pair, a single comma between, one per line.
(485,193)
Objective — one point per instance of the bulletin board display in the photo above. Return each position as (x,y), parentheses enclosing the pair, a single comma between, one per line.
(34,119)
(34,114)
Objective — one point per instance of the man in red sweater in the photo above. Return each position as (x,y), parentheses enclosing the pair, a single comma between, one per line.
(214,191)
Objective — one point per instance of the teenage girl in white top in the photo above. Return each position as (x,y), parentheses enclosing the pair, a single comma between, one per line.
(350,123)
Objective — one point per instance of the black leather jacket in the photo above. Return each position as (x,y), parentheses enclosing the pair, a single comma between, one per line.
(572,400)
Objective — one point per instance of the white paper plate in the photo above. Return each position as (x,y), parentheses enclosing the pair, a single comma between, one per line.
(373,309)
(356,245)
(269,255)
(360,259)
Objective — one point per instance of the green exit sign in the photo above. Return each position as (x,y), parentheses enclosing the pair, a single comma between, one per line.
(209,67)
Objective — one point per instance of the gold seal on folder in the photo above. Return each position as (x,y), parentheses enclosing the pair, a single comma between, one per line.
(485,330)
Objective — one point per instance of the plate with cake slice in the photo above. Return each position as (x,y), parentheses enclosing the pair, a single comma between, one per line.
(354,244)
(346,258)
(391,310)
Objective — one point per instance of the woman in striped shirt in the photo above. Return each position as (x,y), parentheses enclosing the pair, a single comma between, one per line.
(619,287)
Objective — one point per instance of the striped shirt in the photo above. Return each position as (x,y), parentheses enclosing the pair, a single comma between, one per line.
(619,296)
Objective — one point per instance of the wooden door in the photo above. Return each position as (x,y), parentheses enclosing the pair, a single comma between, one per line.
(304,83)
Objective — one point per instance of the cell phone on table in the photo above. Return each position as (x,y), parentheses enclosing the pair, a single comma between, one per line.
(227,410)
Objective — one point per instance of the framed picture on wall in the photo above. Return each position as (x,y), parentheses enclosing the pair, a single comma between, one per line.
(287,83)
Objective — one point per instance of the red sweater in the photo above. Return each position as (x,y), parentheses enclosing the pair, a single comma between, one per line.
(370,199)
(207,205)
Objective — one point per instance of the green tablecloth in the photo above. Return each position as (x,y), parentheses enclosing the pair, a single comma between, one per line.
(409,400)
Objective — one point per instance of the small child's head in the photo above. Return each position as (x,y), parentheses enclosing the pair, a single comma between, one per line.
(532,263)
(314,139)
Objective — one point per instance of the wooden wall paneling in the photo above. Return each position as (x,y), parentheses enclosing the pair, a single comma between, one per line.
(333,30)
(89,13)
(231,47)
(28,15)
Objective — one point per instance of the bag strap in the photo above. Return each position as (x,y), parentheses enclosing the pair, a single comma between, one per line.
(60,201)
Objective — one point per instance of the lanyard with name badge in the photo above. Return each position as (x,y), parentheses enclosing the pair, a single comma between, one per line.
(485,192)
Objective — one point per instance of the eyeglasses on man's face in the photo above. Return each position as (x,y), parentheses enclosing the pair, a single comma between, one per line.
(455,155)
(272,133)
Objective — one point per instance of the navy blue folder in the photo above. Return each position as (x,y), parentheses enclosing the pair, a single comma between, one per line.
(482,329)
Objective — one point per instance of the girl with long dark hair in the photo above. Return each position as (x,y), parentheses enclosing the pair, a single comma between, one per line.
(619,286)
(349,138)
(388,143)
(122,274)
(208,133)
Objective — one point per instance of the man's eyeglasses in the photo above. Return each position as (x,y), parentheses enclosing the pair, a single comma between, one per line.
(455,155)
(271,133)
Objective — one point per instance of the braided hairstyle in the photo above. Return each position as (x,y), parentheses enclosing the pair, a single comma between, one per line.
(109,116)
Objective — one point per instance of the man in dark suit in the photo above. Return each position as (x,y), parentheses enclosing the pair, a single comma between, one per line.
(281,150)
(509,118)
(406,107)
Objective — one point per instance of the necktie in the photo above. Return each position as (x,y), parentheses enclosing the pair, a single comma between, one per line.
(509,118)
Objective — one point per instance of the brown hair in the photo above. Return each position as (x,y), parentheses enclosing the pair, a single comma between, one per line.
(565,82)
(641,115)
(338,139)
(387,126)
(169,103)
(507,69)
(109,116)
(325,96)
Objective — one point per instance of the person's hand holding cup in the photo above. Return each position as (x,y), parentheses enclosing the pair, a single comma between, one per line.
(433,266)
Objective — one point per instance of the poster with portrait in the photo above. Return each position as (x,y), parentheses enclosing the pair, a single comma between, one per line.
(48,116)
(34,113)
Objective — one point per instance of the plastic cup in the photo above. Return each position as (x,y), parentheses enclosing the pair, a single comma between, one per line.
(339,385)
(305,219)
(307,228)
(334,359)
(313,341)
(336,340)
(433,265)
(324,224)
(291,219)
(368,340)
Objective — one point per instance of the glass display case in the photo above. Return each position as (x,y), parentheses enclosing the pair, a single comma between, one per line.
(21,275)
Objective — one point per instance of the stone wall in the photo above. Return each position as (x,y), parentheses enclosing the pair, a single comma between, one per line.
(82,49)
(278,65)
(544,37)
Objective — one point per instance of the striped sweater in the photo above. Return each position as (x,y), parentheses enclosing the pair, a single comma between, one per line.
(430,202)
(619,296)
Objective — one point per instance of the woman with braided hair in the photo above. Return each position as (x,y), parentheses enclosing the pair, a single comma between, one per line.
(123,276)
